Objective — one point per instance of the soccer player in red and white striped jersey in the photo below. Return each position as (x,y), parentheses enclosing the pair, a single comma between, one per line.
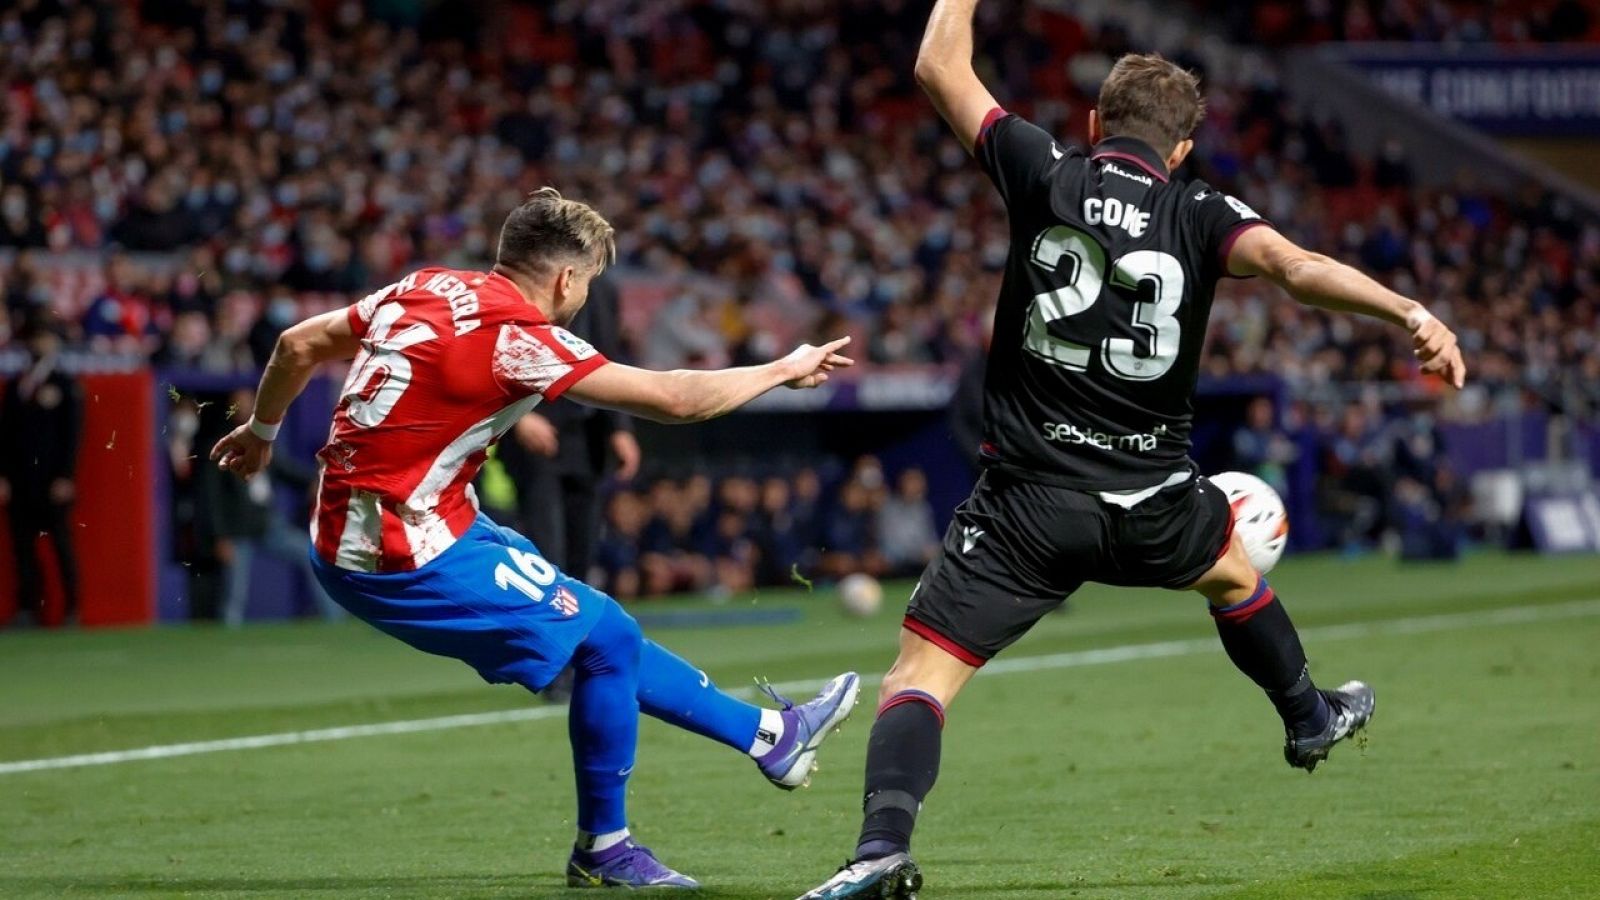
(449,362)
(445,362)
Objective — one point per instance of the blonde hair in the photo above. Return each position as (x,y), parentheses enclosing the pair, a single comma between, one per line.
(548,229)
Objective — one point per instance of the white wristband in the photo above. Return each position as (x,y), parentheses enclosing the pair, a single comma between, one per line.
(1418,318)
(268,433)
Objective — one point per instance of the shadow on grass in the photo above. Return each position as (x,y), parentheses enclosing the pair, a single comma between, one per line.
(1148,885)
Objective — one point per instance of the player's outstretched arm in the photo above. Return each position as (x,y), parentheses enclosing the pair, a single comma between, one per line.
(944,69)
(689,395)
(300,349)
(1317,280)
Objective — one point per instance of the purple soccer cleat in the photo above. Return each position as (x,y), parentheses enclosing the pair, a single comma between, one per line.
(789,764)
(625,865)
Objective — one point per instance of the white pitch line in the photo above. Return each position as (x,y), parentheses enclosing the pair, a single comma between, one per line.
(1511,615)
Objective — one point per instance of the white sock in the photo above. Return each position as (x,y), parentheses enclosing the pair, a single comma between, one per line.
(768,733)
(594,843)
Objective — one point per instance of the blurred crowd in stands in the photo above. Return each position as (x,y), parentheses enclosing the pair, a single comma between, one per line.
(743,531)
(1276,22)
(273,152)
(181,180)
(1357,476)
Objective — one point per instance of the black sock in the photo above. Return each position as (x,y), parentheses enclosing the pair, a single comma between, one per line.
(1263,644)
(902,765)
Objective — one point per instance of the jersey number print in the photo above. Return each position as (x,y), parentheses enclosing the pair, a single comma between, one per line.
(1082,262)
(383,372)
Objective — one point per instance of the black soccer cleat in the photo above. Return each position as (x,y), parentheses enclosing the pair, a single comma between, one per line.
(893,877)
(1351,708)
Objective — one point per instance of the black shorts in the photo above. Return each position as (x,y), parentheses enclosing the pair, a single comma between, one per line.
(1016,549)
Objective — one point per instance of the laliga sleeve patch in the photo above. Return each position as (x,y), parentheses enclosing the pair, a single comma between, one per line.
(1239,206)
(580,348)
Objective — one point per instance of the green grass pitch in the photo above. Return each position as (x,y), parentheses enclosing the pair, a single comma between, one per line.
(1147,773)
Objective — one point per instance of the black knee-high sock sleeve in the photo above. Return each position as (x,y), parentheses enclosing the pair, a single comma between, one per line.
(1262,642)
(902,765)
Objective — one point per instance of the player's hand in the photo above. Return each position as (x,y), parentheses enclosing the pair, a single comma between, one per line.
(626,447)
(5,491)
(241,452)
(535,432)
(808,366)
(1435,347)
(62,490)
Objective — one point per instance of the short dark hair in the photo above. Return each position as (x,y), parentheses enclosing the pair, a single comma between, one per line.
(548,229)
(1149,98)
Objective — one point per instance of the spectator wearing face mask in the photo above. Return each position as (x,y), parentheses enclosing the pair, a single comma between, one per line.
(280,312)
(850,535)
(1261,448)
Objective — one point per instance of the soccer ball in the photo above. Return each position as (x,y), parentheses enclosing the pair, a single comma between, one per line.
(1259,518)
(860,595)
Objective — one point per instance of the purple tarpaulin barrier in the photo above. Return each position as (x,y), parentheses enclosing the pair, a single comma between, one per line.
(1564,522)
(1497,444)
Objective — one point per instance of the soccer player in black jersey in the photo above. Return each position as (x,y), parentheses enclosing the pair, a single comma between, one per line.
(1087,412)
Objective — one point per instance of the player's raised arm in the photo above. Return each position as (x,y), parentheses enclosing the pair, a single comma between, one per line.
(299,351)
(1317,280)
(944,69)
(688,395)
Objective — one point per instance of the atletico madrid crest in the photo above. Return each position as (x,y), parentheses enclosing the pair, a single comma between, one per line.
(565,601)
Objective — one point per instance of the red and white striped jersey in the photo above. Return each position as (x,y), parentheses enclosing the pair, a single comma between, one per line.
(449,361)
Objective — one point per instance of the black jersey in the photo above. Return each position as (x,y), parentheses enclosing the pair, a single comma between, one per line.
(1103,309)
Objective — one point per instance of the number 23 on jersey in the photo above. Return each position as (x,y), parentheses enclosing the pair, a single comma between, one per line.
(1082,264)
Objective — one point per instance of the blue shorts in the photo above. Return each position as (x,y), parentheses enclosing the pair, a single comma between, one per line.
(490,601)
